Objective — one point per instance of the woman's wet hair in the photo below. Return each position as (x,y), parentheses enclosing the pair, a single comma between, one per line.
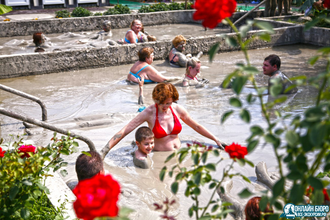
(143,133)
(38,39)
(145,53)
(178,39)
(252,210)
(164,91)
(273,59)
(192,62)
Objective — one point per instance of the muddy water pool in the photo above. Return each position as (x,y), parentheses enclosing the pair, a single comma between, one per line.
(80,40)
(97,103)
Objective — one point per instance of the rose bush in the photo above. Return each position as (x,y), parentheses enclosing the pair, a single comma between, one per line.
(236,151)
(326,4)
(96,197)
(2,153)
(212,12)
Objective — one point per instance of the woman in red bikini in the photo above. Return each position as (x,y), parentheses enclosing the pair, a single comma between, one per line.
(163,119)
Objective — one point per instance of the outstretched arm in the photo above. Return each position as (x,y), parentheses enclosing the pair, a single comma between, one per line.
(185,117)
(134,123)
(156,76)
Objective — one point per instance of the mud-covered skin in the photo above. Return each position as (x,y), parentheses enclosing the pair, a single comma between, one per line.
(141,163)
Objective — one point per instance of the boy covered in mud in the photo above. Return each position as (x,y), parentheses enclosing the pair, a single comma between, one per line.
(144,139)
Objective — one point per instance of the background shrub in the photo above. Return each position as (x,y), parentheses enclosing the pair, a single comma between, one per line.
(62,14)
(164,7)
(81,12)
(98,14)
(118,9)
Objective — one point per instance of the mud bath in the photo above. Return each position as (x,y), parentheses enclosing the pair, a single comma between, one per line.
(97,103)
(79,40)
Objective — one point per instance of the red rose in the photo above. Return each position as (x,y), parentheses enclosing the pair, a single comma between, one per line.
(96,197)
(326,3)
(25,149)
(236,151)
(213,11)
(326,196)
(2,153)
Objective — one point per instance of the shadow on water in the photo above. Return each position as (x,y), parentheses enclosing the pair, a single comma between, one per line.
(97,103)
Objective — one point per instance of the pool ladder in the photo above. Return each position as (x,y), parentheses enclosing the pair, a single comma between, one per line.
(44,117)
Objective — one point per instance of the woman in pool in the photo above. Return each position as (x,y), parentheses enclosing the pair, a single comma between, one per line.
(135,34)
(163,119)
(190,78)
(143,69)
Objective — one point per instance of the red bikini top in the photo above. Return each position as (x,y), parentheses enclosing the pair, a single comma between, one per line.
(159,131)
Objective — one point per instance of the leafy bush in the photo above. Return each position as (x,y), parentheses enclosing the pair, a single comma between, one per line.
(118,9)
(81,12)
(62,14)
(22,169)
(98,14)
(164,7)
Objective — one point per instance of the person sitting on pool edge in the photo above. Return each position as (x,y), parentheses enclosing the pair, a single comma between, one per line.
(144,139)
(176,56)
(142,68)
(190,77)
(271,68)
(163,118)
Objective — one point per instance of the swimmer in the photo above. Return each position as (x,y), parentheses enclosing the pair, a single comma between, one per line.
(135,34)
(193,68)
(164,119)
(271,68)
(39,39)
(176,56)
(144,139)
(143,68)
(106,34)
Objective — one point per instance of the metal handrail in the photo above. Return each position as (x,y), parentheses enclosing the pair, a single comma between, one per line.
(48,126)
(28,96)
(244,16)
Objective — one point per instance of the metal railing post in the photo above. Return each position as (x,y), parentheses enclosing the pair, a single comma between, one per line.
(28,96)
(48,126)
(248,13)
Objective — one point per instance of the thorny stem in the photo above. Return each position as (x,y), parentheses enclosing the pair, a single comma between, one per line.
(225,173)
(263,106)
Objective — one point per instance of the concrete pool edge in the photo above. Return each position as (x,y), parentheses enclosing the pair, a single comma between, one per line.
(55,25)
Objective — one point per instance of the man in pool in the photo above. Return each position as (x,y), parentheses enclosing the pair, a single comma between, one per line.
(88,166)
(271,68)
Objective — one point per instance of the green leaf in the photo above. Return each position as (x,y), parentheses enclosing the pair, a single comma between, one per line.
(318,197)
(64,173)
(311,24)
(162,173)
(265,26)
(25,213)
(252,145)
(296,194)
(278,187)
(295,175)
(169,157)
(212,185)
(175,187)
(231,41)
(313,60)
(244,29)
(274,216)
(272,139)
(240,162)
(215,208)
(245,193)
(238,84)
(257,130)
(245,115)
(124,211)
(5,9)
(183,156)
(250,99)
(265,36)
(204,156)
(86,153)
(276,89)
(235,102)
(213,51)
(315,183)
(195,158)
(13,192)
(226,115)
(211,166)
(197,178)
(317,134)
(263,203)
(292,138)
(281,99)
(196,191)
